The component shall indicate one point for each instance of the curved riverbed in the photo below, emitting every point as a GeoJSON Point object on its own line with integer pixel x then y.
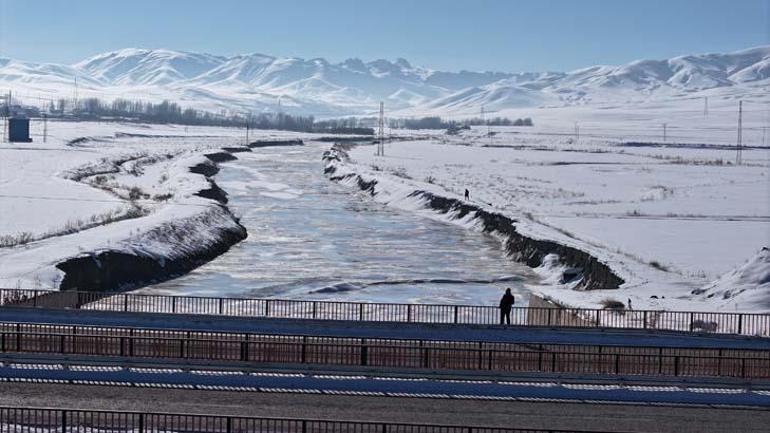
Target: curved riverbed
{"type": "Point", "coordinates": [310, 238]}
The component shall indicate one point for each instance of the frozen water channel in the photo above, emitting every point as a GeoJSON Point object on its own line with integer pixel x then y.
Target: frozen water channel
{"type": "Point", "coordinates": [310, 238]}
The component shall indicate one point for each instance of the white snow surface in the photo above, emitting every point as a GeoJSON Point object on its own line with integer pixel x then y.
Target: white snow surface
{"type": "Point", "coordinates": [58, 194]}
{"type": "Point", "coordinates": [749, 282]}
{"type": "Point", "coordinates": [666, 219]}
{"type": "Point", "coordinates": [315, 86]}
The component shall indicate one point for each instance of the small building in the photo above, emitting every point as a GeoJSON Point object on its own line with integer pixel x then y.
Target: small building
{"type": "Point", "coordinates": [18, 130]}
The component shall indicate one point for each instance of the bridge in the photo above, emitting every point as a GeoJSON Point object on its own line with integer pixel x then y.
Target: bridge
{"type": "Point", "coordinates": [443, 367]}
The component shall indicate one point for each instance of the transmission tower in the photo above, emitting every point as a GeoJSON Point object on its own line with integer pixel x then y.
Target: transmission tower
{"type": "Point", "coordinates": [739, 146]}
{"type": "Point", "coordinates": [381, 131]}
{"type": "Point", "coordinates": [6, 113]}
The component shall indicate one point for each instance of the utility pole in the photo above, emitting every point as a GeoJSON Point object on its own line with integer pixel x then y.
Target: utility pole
{"type": "Point", "coordinates": [664, 132]}
{"type": "Point", "coordinates": [381, 131]}
{"type": "Point", "coordinates": [75, 105]}
{"type": "Point", "coordinates": [6, 114]}
{"type": "Point", "coordinates": [739, 146]}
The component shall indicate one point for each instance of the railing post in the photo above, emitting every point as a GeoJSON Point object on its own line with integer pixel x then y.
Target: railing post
{"type": "Point", "coordinates": [361, 312]}
{"type": "Point", "coordinates": [315, 309]}
{"type": "Point", "coordinates": [125, 303]}
{"type": "Point", "coordinates": [456, 313]}
{"type": "Point", "coordinates": [676, 365]}
{"type": "Point", "coordinates": [740, 323]}
{"type": "Point", "coordinates": [304, 426]}
{"type": "Point", "coordinates": [481, 355]}
{"type": "Point", "coordinates": [229, 426]}
{"type": "Point", "coordinates": [141, 422]}
{"type": "Point", "coordinates": [408, 312]}
{"type": "Point", "coordinates": [61, 344]}
{"type": "Point", "coordinates": [719, 363]}
{"type": "Point", "coordinates": [173, 304]}
{"type": "Point", "coordinates": [303, 355]}
{"type": "Point", "coordinates": [64, 420]}
{"type": "Point", "coordinates": [221, 312]}
{"type": "Point", "coordinates": [597, 318]}
{"type": "Point", "coordinates": [267, 308]}
{"type": "Point", "coordinates": [364, 353]}
{"type": "Point", "coordinates": [644, 317]}
{"type": "Point", "coordinates": [244, 350]}
{"type": "Point", "coordinates": [549, 316]}
{"type": "Point", "coordinates": [540, 359]}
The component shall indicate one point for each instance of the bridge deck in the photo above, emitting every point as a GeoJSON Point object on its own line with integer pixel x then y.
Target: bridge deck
{"type": "Point", "coordinates": [487, 333]}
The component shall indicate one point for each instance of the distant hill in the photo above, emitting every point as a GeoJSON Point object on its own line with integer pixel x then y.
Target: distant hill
{"type": "Point", "coordinates": [257, 82]}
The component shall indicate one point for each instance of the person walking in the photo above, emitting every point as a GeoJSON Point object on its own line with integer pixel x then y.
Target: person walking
{"type": "Point", "coordinates": [506, 304]}
{"type": "Point", "coordinates": [467, 194]}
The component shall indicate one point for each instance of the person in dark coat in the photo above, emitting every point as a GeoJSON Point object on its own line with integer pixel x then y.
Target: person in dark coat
{"type": "Point", "coordinates": [467, 194]}
{"type": "Point", "coordinates": [506, 304]}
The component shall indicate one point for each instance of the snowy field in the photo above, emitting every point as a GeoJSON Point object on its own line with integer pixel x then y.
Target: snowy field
{"type": "Point", "coordinates": [668, 218]}
{"type": "Point", "coordinates": [679, 221]}
{"type": "Point", "coordinates": [94, 186]}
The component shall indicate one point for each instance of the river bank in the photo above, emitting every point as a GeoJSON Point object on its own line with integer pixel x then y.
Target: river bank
{"type": "Point", "coordinates": [125, 206]}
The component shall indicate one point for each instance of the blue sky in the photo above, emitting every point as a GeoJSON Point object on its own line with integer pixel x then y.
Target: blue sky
{"type": "Point", "coordinates": [450, 34]}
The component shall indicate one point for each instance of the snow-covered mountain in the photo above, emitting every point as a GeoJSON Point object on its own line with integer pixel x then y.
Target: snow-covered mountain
{"type": "Point", "coordinates": [258, 82]}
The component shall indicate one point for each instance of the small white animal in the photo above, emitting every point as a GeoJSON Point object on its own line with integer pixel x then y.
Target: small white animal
{"type": "Point", "coordinates": [703, 326]}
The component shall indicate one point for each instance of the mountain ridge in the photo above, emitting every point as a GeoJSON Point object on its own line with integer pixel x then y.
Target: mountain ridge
{"type": "Point", "coordinates": [259, 81]}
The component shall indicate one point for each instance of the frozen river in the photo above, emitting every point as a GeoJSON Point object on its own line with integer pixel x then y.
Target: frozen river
{"type": "Point", "coordinates": [310, 238]}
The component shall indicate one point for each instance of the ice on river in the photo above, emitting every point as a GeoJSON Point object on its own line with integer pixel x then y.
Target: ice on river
{"type": "Point", "coordinates": [310, 238]}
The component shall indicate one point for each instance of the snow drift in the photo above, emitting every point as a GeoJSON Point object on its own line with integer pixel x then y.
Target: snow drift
{"type": "Point", "coordinates": [749, 283]}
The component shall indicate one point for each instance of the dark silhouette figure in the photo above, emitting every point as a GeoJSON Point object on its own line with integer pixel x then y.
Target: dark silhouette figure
{"type": "Point", "coordinates": [467, 194]}
{"type": "Point", "coordinates": [506, 303]}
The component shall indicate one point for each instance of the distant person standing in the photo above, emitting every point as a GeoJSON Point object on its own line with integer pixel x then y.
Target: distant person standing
{"type": "Point", "coordinates": [506, 304]}
{"type": "Point", "coordinates": [467, 194]}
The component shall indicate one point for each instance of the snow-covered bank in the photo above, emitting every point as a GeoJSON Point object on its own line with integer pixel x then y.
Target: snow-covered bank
{"type": "Point", "coordinates": [54, 193]}
{"type": "Point", "coordinates": [575, 267]}
{"type": "Point", "coordinates": [665, 219]}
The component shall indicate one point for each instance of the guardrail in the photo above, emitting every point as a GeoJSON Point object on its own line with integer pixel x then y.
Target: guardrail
{"type": "Point", "coordinates": [382, 352]}
{"type": "Point", "coordinates": [688, 321]}
{"type": "Point", "coordinates": [45, 420]}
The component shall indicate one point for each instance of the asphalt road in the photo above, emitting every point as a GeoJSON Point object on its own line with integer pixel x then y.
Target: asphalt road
{"type": "Point", "coordinates": [598, 417]}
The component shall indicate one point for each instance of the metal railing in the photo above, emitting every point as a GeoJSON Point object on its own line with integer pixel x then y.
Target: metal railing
{"type": "Point", "coordinates": [252, 348]}
{"type": "Point", "coordinates": [688, 321]}
{"type": "Point", "coordinates": [18, 419]}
